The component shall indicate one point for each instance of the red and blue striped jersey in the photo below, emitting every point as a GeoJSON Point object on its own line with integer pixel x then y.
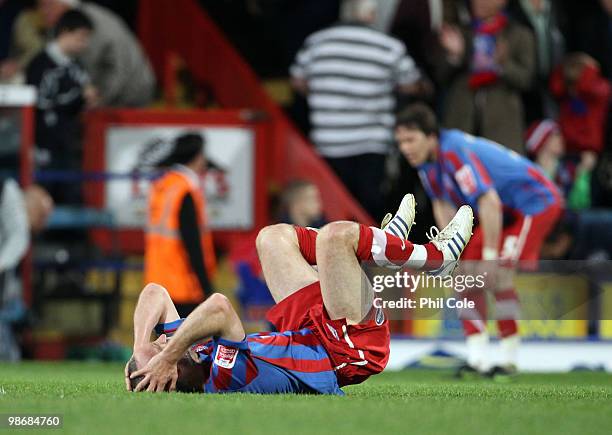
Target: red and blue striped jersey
{"type": "Point", "coordinates": [466, 167]}
{"type": "Point", "coordinates": [265, 363]}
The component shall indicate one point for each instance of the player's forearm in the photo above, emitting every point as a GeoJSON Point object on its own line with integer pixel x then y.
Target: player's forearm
{"type": "Point", "coordinates": [149, 312]}
{"type": "Point", "coordinates": [202, 323]}
{"type": "Point", "coordinates": [490, 217]}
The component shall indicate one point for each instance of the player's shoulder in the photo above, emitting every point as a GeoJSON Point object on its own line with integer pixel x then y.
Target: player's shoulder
{"type": "Point", "coordinates": [452, 139]}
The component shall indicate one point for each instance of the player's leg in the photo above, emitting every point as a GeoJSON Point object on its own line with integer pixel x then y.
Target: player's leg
{"type": "Point", "coordinates": [521, 248]}
{"type": "Point", "coordinates": [342, 245]}
{"type": "Point", "coordinates": [347, 292]}
{"type": "Point", "coordinates": [283, 252]}
{"type": "Point", "coordinates": [287, 252]}
{"type": "Point", "coordinates": [474, 320]}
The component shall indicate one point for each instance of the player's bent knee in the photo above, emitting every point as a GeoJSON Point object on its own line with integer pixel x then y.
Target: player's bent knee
{"type": "Point", "coordinates": [339, 232]}
{"type": "Point", "coordinates": [270, 236]}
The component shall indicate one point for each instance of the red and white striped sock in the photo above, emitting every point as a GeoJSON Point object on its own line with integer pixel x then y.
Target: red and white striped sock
{"type": "Point", "coordinates": [383, 248]}
{"type": "Point", "coordinates": [388, 250]}
{"type": "Point", "coordinates": [507, 310]}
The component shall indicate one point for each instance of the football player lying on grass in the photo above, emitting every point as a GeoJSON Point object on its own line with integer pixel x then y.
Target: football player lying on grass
{"type": "Point", "coordinates": [330, 333]}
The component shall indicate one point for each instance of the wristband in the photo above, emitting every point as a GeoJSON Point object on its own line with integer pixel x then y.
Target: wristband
{"type": "Point", "coordinates": [489, 254]}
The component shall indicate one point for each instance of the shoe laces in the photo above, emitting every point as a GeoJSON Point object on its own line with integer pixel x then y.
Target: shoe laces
{"type": "Point", "coordinates": [440, 238]}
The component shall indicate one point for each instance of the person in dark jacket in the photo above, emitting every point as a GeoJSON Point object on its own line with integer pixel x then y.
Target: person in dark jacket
{"type": "Point", "coordinates": [486, 66]}
{"type": "Point", "coordinates": [64, 91]}
{"type": "Point", "coordinates": [543, 18]}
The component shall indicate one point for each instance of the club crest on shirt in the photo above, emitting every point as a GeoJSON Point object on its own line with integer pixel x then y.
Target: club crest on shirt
{"type": "Point", "coordinates": [466, 180]}
{"type": "Point", "coordinates": [226, 356]}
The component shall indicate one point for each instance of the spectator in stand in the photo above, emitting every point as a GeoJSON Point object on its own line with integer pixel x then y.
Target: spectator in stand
{"type": "Point", "coordinates": [115, 61]}
{"type": "Point", "coordinates": [592, 33]}
{"type": "Point", "coordinates": [19, 215]}
{"type": "Point", "coordinates": [585, 235]}
{"type": "Point", "coordinates": [385, 12]}
{"type": "Point", "coordinates": [542, 18]}
{"type": "Point", "coordinates": [16, 24]}
{"type": "Point", "coordinates": [584, 99]}
{"type": "Point", "coordinates": [415, 23]}
{"type": "Point", "coordinates": [545, 146]}
{"type": "Point", "coordinates": [64, 90]}
{"type": "Point", "coordinates": [350, 73]}
{"type": "Point", "coordinates": [487, 66]}
{"type": "Point", "coordinates": [302, 205]}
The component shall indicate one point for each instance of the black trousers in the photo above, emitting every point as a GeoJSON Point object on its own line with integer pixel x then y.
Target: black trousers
{"type": "Point", "coordinates": [363, 176]}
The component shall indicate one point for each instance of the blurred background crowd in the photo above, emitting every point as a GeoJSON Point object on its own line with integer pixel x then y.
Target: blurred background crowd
{"type": "Point", "coordinates": [532, 75]}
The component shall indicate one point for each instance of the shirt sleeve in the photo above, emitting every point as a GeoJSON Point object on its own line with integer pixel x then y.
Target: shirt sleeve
{"type": "Point", "coordinates": [189, 230]}
{"type": "Point", "coordinates": [13, 225]}
{"type": "Point", "coordinates": [168, 328]}
{"type": "Point", "coordinates": [300, 64]}
{"type": "Point", "coordinates": [405, 70]}
{"type": "Point", "coordinates": [469, 172]}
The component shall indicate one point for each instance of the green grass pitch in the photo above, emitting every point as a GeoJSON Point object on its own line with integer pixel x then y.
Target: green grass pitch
{"type": "Point", "coordinates": [92, 399]}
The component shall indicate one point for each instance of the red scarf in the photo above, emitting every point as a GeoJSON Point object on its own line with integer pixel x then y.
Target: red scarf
{"type": "Point", "coordinates": [485, 69]}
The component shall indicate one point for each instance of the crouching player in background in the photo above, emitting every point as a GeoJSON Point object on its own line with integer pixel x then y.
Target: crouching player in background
{"type": "Point", "coordinates": [516, 206]}
{"type": "Point", "coordinates": [330, 334]}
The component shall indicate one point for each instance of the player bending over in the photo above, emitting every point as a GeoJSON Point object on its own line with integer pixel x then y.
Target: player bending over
{"type": "Point", "coordinates": [330, 334]}
{"type": "Point", "coordinates": [516, 204]}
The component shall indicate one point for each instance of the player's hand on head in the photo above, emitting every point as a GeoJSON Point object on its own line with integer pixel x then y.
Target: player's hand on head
{"type": "Point", "coordinates": [160, 374]}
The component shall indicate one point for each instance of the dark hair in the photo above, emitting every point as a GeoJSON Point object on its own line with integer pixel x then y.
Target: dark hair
{"type": "Point", "coordinates": [420, 117]}
{"type": "Point", "coordinates": [192, 375]}
{"type": "Point", "coordinates": [186, 147]}
{"type": "Point", "coordinates": [72, 20]}
{"type": "Point", "coordinates": [132, 367]}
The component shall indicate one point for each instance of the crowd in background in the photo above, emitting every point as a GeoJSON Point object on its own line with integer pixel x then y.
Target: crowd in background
{"type": "Point", "coordinates": [79, 55]}
{"type": "Point", "coordinates": [518, 72]}
{"type": "Point", "coordinates": [532, 75]}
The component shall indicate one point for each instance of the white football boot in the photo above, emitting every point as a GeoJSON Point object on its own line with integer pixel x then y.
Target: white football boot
{"type": "Point", "coordinates": [401, 224]}
{"type": "Point", "coordinates": [452, 240]}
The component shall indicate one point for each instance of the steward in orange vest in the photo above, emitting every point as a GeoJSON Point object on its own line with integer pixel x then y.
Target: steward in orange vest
{"type": "Point", "coordinates": [179, 252]}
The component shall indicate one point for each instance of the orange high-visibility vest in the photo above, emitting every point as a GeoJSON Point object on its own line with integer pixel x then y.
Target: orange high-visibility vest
{"type": "Point", "coordinates": [166, 259]}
